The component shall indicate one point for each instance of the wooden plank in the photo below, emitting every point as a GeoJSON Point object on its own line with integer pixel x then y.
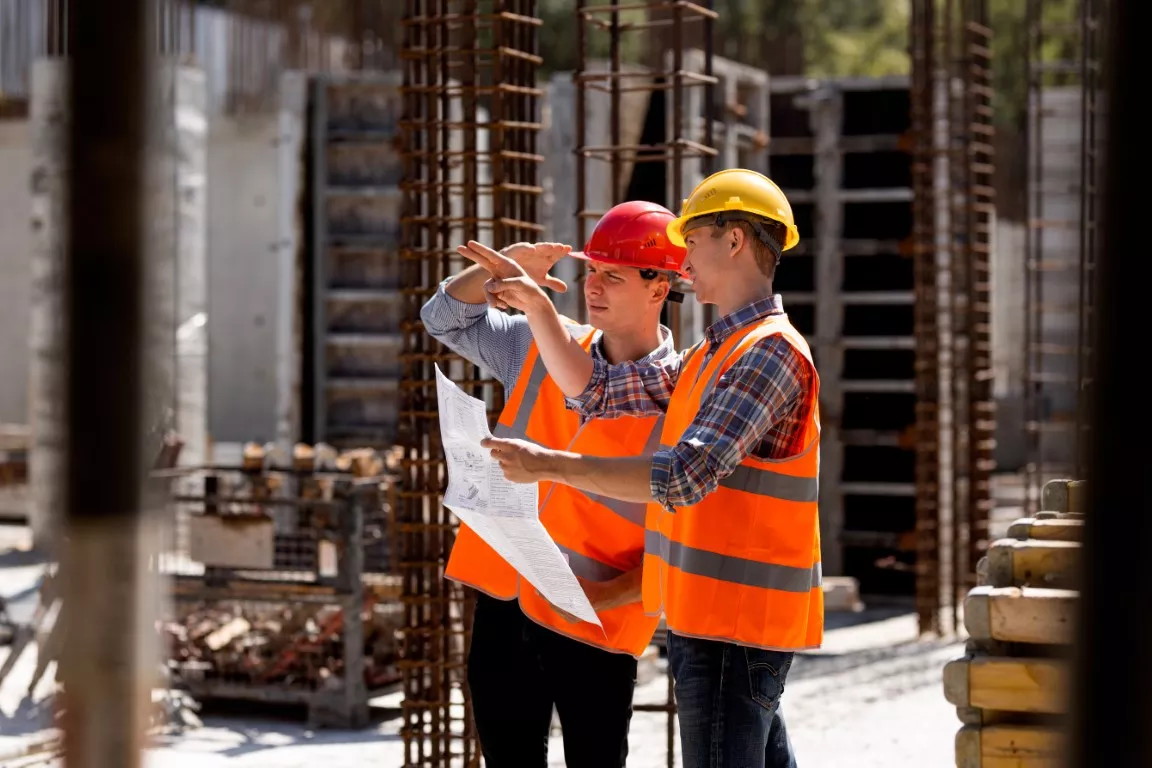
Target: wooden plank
{"type": "Point", "coordinates": [1021, 614]}
{"type": "Point", "coordinates": [1054, 497]}
{"type": "Point", "coordinates": [1052, 529]}
{"type": "Point", "coordinates": [1009, 746]}
{"type": "Point", "coordinates": [1014, 563]}
{"type": "Point", "coordinates": [1008, 684]}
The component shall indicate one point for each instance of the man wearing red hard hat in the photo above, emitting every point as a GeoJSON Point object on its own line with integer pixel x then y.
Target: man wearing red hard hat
{"type": "Point", "coordinates": [526, 657]}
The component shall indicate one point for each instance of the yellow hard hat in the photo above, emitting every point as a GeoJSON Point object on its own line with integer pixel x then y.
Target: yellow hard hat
{"type": "Point", "coordinates": [736, 190]}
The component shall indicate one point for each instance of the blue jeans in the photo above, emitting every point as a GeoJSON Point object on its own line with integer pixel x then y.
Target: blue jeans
{"type": "Point", "coordinates": [728, 700]}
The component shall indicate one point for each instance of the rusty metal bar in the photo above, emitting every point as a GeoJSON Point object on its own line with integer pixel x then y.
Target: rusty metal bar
{"type": "Point", "coordinates": [1093, 15]}
{"type": "Point", "coordinates": [977, 160]}
{"type": "Point", "coordinates": [469, 67]}
{"type": "Point", "coordinates": [922, 39]}
{"type": "Point", "coordinates": [951, 105]}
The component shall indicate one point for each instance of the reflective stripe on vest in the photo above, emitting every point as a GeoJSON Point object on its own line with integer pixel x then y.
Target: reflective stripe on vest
{"type": "Point", "coordinates": [602, 538]}
{"type": "Point", "coordinates": [735, 570]}
{"type": "Point", "coordinates": [743, 565]}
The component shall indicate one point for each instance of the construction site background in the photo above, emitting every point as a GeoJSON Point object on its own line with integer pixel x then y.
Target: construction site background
{"type": "Point", "coordinates": [318, 163]}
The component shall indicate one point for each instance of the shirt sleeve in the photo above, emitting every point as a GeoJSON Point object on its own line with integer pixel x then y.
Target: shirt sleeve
{"type": "Point", "coordinates": [749, 399]}
{"type": "Point", "coordinates": [487, 337]}
{"type": "Point", "coordinates": [629, 388]}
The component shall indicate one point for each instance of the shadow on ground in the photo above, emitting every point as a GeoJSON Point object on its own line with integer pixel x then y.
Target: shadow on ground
{"type": "Point", "coordinates": [230, 730]}
{"type": "Point", "coordinates": [29, 717]}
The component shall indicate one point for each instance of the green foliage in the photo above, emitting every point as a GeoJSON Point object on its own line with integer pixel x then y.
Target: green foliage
{"type": "Point", "coordinates": [865, 38]}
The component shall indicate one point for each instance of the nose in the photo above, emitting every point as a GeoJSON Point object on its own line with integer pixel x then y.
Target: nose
{"type": "Point", "coordinates": [592, 284]}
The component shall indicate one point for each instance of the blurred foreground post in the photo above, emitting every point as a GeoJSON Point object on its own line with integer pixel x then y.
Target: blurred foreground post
{"type": "Point", "coordinates": [106, 667]}
{"type": "Point", "coordinates": [1113, 690]}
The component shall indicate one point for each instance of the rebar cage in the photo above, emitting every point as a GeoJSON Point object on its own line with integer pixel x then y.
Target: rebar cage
{"type": "Point", "coordinates": [470, 127]}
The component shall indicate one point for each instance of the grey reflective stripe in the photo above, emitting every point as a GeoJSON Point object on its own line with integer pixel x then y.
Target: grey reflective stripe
{"type": "Point", "coordinates": [508, 432]}
{"type": "Point", "coordinates": [734, 570]}
{"type": "Point", "coordinates": [631, 511]}
{"type": "Point", "coordinates": [588, 567]}
{"type": "Point", "coordinates": [654, 436]}
{"type": "Point", "coordinates": [536, 378]}
{"type": "Point", "coordinates": [765, 482]}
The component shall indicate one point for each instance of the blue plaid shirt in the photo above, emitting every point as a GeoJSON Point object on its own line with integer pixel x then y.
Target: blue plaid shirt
{"type": "Point", "coordinates": [757, 407]}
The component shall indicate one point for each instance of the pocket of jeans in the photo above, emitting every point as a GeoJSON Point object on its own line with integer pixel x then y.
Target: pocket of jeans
{"type": "Point", "coordinates": [767, 671]}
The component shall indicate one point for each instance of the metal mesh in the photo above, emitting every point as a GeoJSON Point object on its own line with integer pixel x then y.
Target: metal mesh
{"type": "Point", "coordinates": [952, 116]}
{"type": "Point", "coordinates": [1065, 102]}
{"type": "Point", "coordinates": [471, 121]}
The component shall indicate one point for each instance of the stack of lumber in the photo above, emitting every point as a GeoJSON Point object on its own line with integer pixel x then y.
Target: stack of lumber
{"type": "Point", "coordinates": [1011, 686]}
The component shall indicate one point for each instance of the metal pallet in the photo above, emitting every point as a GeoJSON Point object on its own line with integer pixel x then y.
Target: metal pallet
{"type": "Point", "coordinates": [848, 287]}
{"type": "Point", "coordinates": [282, 591]}
{"type": "Point", "coordinates": [353, 276]}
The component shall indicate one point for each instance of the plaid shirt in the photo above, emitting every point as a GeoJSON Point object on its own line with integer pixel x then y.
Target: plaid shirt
{"type": "Point", "coordinates": [756, 408]}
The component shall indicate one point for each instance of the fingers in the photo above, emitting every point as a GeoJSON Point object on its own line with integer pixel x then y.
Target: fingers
{"type": "Point", "coordinates": [555, 284]}
{"type": "Point", "coordinates": [476, 257]}
{"type": "Point", "coordinates": [556, 251]}
{"type": "Point", "coordinates": [494, 257]}
{"type": "Point", "coordinates": [495, 444]}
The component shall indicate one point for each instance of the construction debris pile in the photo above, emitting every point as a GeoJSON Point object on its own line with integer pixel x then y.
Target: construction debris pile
{"type": "Point", "coordinates": [249, 643]}
{"type": "Point", "coordinates": [1011, 687]}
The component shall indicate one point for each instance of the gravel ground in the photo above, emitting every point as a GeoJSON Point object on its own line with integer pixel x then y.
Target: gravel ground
{"type": "Point", "coordinates": [872, 697]}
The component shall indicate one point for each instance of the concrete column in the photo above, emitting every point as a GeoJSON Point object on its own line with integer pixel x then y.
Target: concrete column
{"type": "Point", "coordinates": [290, 145]}
{"type": "Point", "coordinates": [191, 263]}
{"type": "Point", "coordinates": [46, 376]}
{"type": "Point", "coordinates": [176, 384]}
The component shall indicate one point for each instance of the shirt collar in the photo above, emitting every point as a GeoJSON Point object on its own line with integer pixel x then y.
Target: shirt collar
{"type": "Point", "coordinates": [667, 347]}
{"type": "Point", "coordinates": [743, 317]}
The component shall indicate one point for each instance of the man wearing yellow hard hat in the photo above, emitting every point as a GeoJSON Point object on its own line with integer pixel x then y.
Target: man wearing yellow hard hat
{"type": "Point", "coordinates": [732, 536]}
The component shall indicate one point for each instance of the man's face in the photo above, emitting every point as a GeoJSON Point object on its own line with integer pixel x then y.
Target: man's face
{"type": "Point", "coordinates": [616, 297]}
{"type": "Point", "coordinates": [706, 261]}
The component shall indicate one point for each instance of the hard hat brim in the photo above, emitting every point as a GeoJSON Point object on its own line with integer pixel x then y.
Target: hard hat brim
{"type": "Point", "coordinates": [676, 227]}
{"type": "Point", "coordinates": [584, 256]}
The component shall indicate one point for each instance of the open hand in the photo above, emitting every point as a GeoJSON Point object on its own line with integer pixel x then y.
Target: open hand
{"type": "Point", "coordinates": [531, 261]}
{"type": "Point", "coordinates": [536, 259]}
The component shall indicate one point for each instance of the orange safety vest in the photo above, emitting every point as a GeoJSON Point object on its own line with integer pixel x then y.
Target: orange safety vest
{"type": "Point", "coordinates": [602, 537]}
{"type": "Point", "coordinates": [743, 565]}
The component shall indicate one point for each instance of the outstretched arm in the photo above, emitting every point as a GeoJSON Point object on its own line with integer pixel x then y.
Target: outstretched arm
{"type": "Point", "coordinates": [594, 388]}
{"type": "Point", "coordinates": [752, 398]}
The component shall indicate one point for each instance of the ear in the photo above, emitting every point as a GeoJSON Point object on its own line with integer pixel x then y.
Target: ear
{"type": "Point", "coordinates": [661, 287]}
{"type": "Point", "coordinates": [734, 238]}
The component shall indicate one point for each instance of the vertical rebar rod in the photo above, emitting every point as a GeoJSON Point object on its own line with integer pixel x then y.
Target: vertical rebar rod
{"type": "Point", "coordinates": [106, 671]}
{"type": "Point", "coordinates": [978, 163]}
{"type": "Point", "coordinates": [1090, 75]}
{"type": "Point", "coordinates": [922, 40]}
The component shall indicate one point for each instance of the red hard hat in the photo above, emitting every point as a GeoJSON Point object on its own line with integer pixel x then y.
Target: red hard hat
{"type": "Point", "coordinates": [635, 234]}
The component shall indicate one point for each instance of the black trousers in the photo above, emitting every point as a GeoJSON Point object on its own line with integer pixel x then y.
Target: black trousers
{"type": "Point", "coordinates": [517, 671]}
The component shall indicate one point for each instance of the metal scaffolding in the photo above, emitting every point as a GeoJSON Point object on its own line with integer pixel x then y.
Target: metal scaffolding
{"type": "Point", "coordinates": [669, 90]}
{"type": "Point", "coordinates": [1064, 78]}
{"type": "Point", "coordinates": [952, 117]}
{"type": "Point", "coordinates": [470, 171]}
